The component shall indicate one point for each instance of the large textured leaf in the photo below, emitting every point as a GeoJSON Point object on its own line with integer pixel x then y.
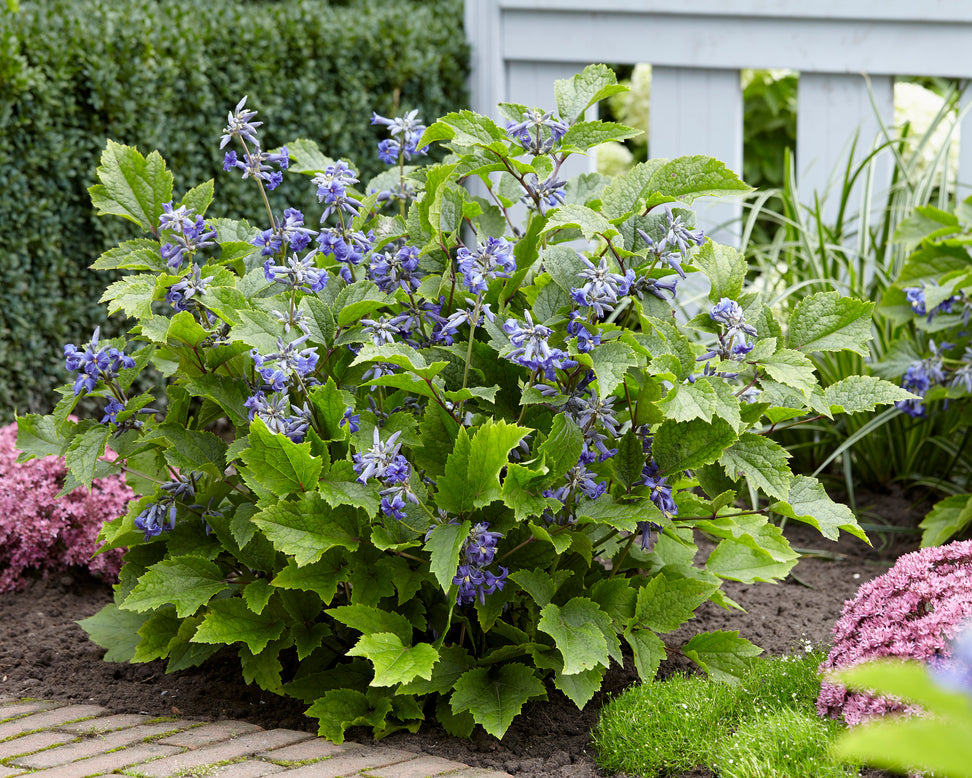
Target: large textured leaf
{"type": "Point", "coordinates": [395, 662]}
{"type": "Point", "coordinates": [576, 94]}
{"type": "Point", "coordinates": [444, 544]}
{"type": "Point", "coordinates": [664, 603]}
{"type": "Point", "coordinates": [188, 582]}
{"type": "Point", "coordinates": [116, 630]}
{"type": "Point", "coordinates": [809, 502]}
{"type": "Point", "coordinates": [84, 452]}
{"type": "Point", "coordinates": [947, 518]}
{"type": "Point", "coordinates": [862, 394]}
{"type": "Point", "coordinates": [472, 470]}
{"type": "Point", "coordinates": [762, 461]}
{"type": "Point", "coordinates": [587, 220]}
{"type": "Point", "coordinates": [707, 398]}
{"type": "Point", "coordinates": [277, 466]}
{"type": "Point", "coordinates": [828, 322]}
{"type": "Point", "coordinates": [230, 621]}
{"type": "Point", "coordinates": [131, 186]}
{"type": "Point", "coordinates": [725, 267]}
{"type": "Point", "coordinates": [724, 655]}
{"type": "Point", "coordinates": [687, 445]}
{"type": "Point", "coordinates": [611, 361]}
{"type": "Point", "coordinates": [495, 698]}
{"type": "Point", "coordinates": [648, 650]}
{"type": "Point", "coordinates": [340, 709]}
{"type": "Point", "coordinates": [367, 619]}
{"type": "Point", "coordinates": [307, 528]}
{"type": "Point", "coordinates": [577, 633]}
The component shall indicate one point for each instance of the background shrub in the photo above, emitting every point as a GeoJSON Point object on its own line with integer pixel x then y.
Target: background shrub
{"type": "Point", "coordinates": [40, 531]}
{"type": "Point", "coordinates": [159, 74]}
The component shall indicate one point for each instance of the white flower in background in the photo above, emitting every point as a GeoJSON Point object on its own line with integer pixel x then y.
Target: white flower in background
{"type": "Point", "coordinates": [633, 107]}
{"type": "Point", "coordinates": [917, 106]}
{"type": "Point", "coordinates": [613, 158]}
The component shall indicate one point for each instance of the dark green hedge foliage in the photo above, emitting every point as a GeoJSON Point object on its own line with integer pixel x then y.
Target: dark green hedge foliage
{"type": "Point", "coordinates": [162, 75]}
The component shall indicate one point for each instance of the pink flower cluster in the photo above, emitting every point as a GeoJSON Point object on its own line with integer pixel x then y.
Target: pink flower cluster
{"type": "Point", "coordinates": [40, 532]}
{"type": "Point", "coordinates": [910, 612]}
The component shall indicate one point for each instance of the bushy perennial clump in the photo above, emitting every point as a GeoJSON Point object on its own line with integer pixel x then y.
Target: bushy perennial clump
{"type": "Point", "coordinates": [44, 531]}
{"type": "Point", "coordinates": [910, 612]}
{"type": "Point", "coordinates": [931, 303]}
{"type": "Point", "coordinates": [464, 445]}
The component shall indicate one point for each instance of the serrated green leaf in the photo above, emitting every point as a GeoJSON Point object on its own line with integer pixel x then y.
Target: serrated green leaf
{"type": "Point", "coordinates": [762, 461]}
{"type": "Point", "coordinates": [340, 709]}
{"type": "Point", "coordinates": [679, 446]}
{"type": "Point", "coordinates": [725, 267]}
{"type": "Point", "coordinates": [257, 594]}
{"type": "Point", "coordinates": [862, 394]}
{"type": "Point", "coordinates": [563, 446]}
{"type": "Point", "coordinates": [471, 478]}
{"type": "Point", "coordinates": [188, 582]}
{"type": "Point", "coordinates": [664, 603]}
{"type": "Point", "coordinates": [395, 662]}
{"type": "Point", "coordinates": [576, 94]}
{"type": "Point", "coordinates": [707, 398]}
{"type": "Point", "coordinates": [230, 621]}
{"type": "Point", "coordinates": [946, 519]}
{"type": "Point", "coordinates": [276, 465]}
{"type": "Point", "coordinates": [116, 630]}
{"type": "Point", "coordinates": [585, 135]}
{"type": "Point", "coordinates": [809, 502]}
{"type": "Point", "coordinates": [576, 630]}
{"type": "Point", "coordinates": [156, 634]}
{"type": "Point", "coordinates": [747, 561]}
{"type": "Point", "coordinates": [648, 651]}
{"type": "Point", "coordinates": [444, 544]}
{"type": "Point", "coordinates": [132, 255]}
{"type": "Point", "coordinates": [790, 368]}
{"type": "Point", "coordinates": [541, 585]}
{"type": "Point", "coordinates": [580, 687]}
{"type": "Point", "coordinates": [358, 300]}
{"type": "Point", "coordinates": [724, 655]}
{"type": "Point", "coordinates": [131, 186]}
{"type": "Point", "coordinates": [828, 322]}
{"type": "Point", "coordinates": [321, 577]}
{"type": "Point", "coordinates": [308, 528]}
{"type": "Point", "coordinates": [192, 449]}
{"type": "Point", "coordinates": [368, 619]}
{"type": "Point", "coordinates": [306, 157]}
{"type": "Point", "coordinates": [464, 128]}
{"type": "Point", "coordinates": [83, 453]}
{"type": "Point", "coordinates": [587, 220]}
{"type": "Point", "coordinates": [453, 661]}
{"type": "Point", "coordinates": [610, 362]}
{"type": "Point", "coordinates": [494, 696]}
{"type": "Point", "coordinates": [39, 436]}
{"type": "Point", "coordinates": [132, 295]}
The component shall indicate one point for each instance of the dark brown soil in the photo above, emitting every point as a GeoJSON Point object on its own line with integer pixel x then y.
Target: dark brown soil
{"type": "Point", "coordinates": [44, 654]}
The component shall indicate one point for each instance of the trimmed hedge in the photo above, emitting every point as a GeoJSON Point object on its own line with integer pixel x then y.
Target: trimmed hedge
{"type": "Point", "coordinates": [162, 75]}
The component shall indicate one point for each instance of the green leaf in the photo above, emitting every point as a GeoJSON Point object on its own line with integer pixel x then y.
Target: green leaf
{"type": "Point", "coordinates": [257, 594]}
{"type": "Point", "coordinates": [340, 709]}
{"type": "Point", "coordinates": [84, 451]}
{"type": "Point", "coordinates": [828, 322]}
{"type": "Point", "coordinates": [358, 300]}
{"type": "Point", "coordinates": [39, 436]}
{"type": "Point", "coordinates": [306, 157]}
{"type": "Point", "coordinates": [368, 619]}
{"type": "Point", "coordinates": [157, 633]}
{"type": "Point", "coordinates": [687, 445]}
{"type": "Point", "coordinates": [791, 368]}
{"type": "Point", "coordinates": [946, 519]}
{"type": "Point", "coordinates": [585, 135]}
{"type": "Point", "coordinates": [745, 560]}
{"type": "Point", "coordinates": [321, 577]}
{"type": "Point", "coordinates": [132, 295]}
{"type": "Point", "coordinates": [132, 255]}
{"type": "Point", "coordinates": [686, 178]}
{"type": "Point", "coordinates": [580, 687]}
{"type": "Point", "coordinates": [587, 220]}
{"type": "Point", "coordinates": [471, 478]}
{"type": "Point", "coordinates": [188, 582]}
{"type": "Point", "coordinates": [629, 463]}
{"type": "Point", "coordinates": [495, 698]}
{"type": "Point", "coordinates": [762, 461]}
{"type": "Point", "coordinates": [131, 185]}
{"type": "Point", "coordinates": [540, 584]}
{"type": "Point", "coordinates": [725, 267]}
{"type": "Point", "coordinates": [563, 263]}
{"type": "Point", "coordinates": [576, 630]}
{"type": "Point", "coordinates": [277, 466]}
{"type": "Point", "coordinates": [229, 621]}
{"type": "Point", "coordinates": [116, 630]}
{"type": "Point", "coordinates": [464, 128]}
{"type": "Point", "coordinates": [306, 529]}
{"type": "Point", "coordinates": [394, 661]}
{"type": "Point", "coordinates": [707, 398]}
{"type": "Point", "coordinates": [576, 94]}
{"type": "Point", "coordinates": [723, 655]}
{"type": "Point", "coordinates": [444, 544]}
{"type": "Point", "coordinates": [862, 394]}
{"type": "Point", "coordinates": [664, 603]}
{"type": "Point", "coordinates": [562, 448]}
{"type": "Point", "coordinates": [453, 661]}
{"type": "Point", "coordinates": [610, 362]}
{"type": "Point", "coordinates": [809, 502]}
{"type": "Point", "coordinates": [648, 650]}
{"type": "Point", "coordinates": [192, 449]}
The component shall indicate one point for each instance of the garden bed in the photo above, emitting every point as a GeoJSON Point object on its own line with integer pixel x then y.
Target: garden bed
{"type": "Point", "coordinates": [44, 654]}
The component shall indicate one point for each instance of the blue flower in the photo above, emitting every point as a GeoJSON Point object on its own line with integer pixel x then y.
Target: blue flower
{"type": "Point", "coordinates": [494, 260]}
{"type": "Point", "coordinates": [112, 409]}
{"type": "Point", "coordinates": [537, 132]}
{"type": "Point", "coordinates": [398, 270]}
{"type": "Point", "coordinates": [531, 348]}
{"type": "Point", "coordinates": [472, 578]}
{"type": "Point", "coordinates": [352, 419]}
{"type": "Point", "coordinates": [239, 124]}
{"type": "Point", "coordinates": [156, 517]}
{"type": "Point", "coordinates": [658, 490]}
{"type": "Point", "coordinates": [179, 294]}
{"type": "Point", "coordinates": [406, 132]}
{"type": "Point", "coordinates": [299, 273]}
{"type": "Point", "coordinates": [601, 286]}
{"type": "Point", "coordinates": [377, 460]}
{"type": "Point", "coordinates": [541, 195]}
{"type": "Point", "coordinates": [94, 363]}
{"type": "Point", "coordinates": [332, 186]}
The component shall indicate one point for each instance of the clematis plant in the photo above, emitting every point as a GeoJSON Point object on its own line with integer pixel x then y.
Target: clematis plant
{"type": "Point", "coordinates": [431, 453]}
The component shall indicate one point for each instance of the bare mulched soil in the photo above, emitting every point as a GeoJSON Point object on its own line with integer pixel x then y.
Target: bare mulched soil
{"type": "Point", "coordinates": [44, 654]}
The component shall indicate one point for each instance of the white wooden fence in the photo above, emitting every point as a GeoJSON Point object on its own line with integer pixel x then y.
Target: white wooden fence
{"type": "Point", "coordinates": [846, 51]}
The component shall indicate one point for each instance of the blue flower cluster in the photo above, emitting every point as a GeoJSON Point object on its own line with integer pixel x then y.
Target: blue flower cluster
{"type": "Point", "coordinates": [395, 270]}
{"type": "Point", "coordinates": [601, 287]}
{"type": "Point", "coordinates": [489, 261]}
{"type": "Point", "coordinates": [537, 132]}
{"type": "Point", "coordinates": [94, 364]}
{"type": "Point", "coordinates": [290, 234]}
{"type": "Point", "coordinates": [916, 297]}
{"type": "Point", "coordinates": [161, 515]}
{"type": "Point", "coordinates": [255, 163]}
{"type": "Point", "coordinates": [472, 577]}
{"type": "Point", "coordinates": [732, 339]}
{"type": "Point", "coordinates": [405, 131]}
{"type": "Point", "coordinates": [923, 375]}
{"type": "Point", "coordinates": [181, 294]}
{"type": "Point", "coordinates": [186, 231]}
{"type": "Point", "coordinates": [279, 370]}
{"type": "Point", "coordinates": [384, 463]}
{"type": "Point", "coordinates": [531, 349]}
{"type": "Point", "coordinates": [673, 249]}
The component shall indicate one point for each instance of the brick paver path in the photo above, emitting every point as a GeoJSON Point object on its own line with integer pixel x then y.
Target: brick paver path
{"type": "Point", "coordinates": [58, 740]}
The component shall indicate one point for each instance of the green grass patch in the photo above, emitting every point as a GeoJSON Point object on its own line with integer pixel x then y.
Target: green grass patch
{"type": "Point", "coordinates": [763, 727]}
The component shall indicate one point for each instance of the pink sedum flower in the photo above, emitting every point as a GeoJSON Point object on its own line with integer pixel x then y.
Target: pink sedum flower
{"type": "Point", "coordinates": [38, 531]}
{"type": "Point", "coordinates": [910, 612]}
